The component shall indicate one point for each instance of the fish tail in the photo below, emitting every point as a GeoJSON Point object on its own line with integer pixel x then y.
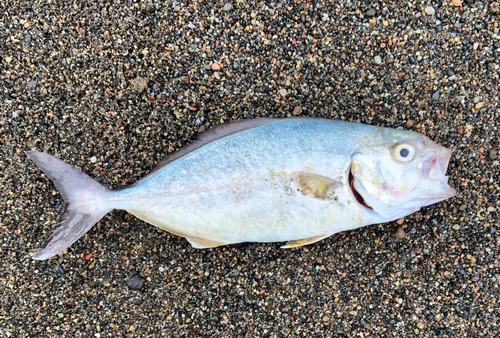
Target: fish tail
{"type": "Point", "coordinates": [86, 203]}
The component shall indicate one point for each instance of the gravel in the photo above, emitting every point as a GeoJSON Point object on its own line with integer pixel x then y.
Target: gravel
{"type": "Point", "coordinates": [114, 87]}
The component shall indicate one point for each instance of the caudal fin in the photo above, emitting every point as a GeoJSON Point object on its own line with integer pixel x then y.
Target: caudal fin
{"type": "Point", "coordinates": [85, 203]}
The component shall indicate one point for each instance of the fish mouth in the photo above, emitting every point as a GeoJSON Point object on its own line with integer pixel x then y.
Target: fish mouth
{"type": "Point", "coordinates": [354, 192]}
{"type": "Point", "coordinates": [434, 169]}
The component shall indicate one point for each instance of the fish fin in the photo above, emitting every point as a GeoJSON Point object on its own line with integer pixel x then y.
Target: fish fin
{"type": "Point", "coordinates": [202, 243]}
{"type": "Point", "coordinates": [80, 212]}
{"type": "Point", "coordinates": [215, 133]}
{"type": "Point", "coordinates": [305, 241]}
{"type": "Point", "coordinates": [314, 186]}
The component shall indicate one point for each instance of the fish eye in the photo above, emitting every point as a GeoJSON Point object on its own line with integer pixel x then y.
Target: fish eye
{"type": "Point", "coordinates": [404, 152]}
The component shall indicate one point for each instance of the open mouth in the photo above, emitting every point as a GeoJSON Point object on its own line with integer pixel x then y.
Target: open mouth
{"type": "Point", "coordinates": [356, 194]}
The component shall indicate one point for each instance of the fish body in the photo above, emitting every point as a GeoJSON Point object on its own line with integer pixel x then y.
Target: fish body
{"type": "Point", "coordinates": [265, 180]}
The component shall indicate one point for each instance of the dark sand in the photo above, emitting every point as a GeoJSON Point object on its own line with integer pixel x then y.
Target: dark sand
{"type": "Point", "coordinates": [113, 88]}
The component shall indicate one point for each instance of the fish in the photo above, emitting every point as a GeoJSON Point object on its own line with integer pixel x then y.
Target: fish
{"type": "Point", "coordinates": [294, 180]}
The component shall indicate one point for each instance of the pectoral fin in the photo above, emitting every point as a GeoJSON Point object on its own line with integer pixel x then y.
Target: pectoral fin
{"type": "Point", "coordinates": [202, 243]}
{"type": "Point", "coordinates": [305, 241]}
{"type": "Point", "coordinates": [314, 186]}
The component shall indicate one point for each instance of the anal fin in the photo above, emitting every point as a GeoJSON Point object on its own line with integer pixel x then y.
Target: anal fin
{"type": "Point", "coordinates": [202, 243]}
{"type": "Point", "coordinates": [305, 241]}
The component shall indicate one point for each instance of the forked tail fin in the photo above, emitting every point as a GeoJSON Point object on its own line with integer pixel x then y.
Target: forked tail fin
{"type": "Point", "coordinates": [85, 204]}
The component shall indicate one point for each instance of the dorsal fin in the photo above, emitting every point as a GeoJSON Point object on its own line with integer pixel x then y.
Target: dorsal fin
{"type": "Point", "coordinates": [214, 134]}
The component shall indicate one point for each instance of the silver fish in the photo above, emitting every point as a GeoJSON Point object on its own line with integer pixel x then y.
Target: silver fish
{"type": "Point", "coordinates": [264, 180]}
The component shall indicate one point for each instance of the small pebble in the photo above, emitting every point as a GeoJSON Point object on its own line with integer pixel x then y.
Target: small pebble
{"type": "Point", "coordinates": [409, 124]}
{"type": "Point", "coordinates": [32, 85]}
{"type": "Point", "coordinates": [430, 10]}
{"type": "Point", "coordinates": [436, 94]}
{"type": "Point", "coordinates": [215, 66]}
{"type": "Point", "coordinates": [228, 7]}
{"type": "Point", "coordinates": [135, 283]}
{"type": "Point", "coordinates": [456, 227]}
{"type": "Point", "coordinates": [398, 233]}
{"type": "Point", "coordinates": [377, 59]}
{"type": "Point", "coordinates": [371, 12]}
{"type": "Point", "coordinates": [59, 270]}
{"type": "Point", "coordinates": [139, 84]}
{"type": "Point", "coordinates": [297, 110]}
{"type": "Point", "coordinates": [283, 92]}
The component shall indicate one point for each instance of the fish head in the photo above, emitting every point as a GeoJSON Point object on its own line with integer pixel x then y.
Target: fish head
{"type": "Point", "coordinates": [398, 172]}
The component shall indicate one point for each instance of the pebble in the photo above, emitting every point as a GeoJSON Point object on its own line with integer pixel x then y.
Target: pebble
{"type": "Point", "coordinates": [215, 66]}
{"type": "Point", "coordinates": [430, 10]}
{"type": "Point", "coordinates": [135, 283]}
{"type": "Point", "coordinates": [377, 59]}
{"type": "Point", "coordinates": [371, 12]}
{"type": "Point", "coordinates": [139, 84]}
{"type": "Point", "coordinates": [31, 85]}
{"type": "Point", "coordinates": [228, 7]}
{"type": "Point", "coordinates": [297, 111]}
{"type": "Point", "coordinates": [59, 270]}
{"type": "Point", "coordinates": [479, 105]}
{"type": "Point", "coordinates": [283, 92]}
{"type": "Point", "coordinates": [398, 233]}
{"type": "Point", "coordinates": [436, 94]}
{"type": "Point", "coordinates": [456, 227]}
{"type": "Point", "coordinates": [409, 124]}
{"type": "Point", "coordinates": [93, 159]}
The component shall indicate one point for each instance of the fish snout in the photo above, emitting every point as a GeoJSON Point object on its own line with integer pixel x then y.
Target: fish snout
{"type": "Point", "coordinates": [434, 168]}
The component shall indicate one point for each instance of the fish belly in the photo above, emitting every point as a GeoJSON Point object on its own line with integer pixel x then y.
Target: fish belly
{"type": "Point", "coordinates": [267, 211]}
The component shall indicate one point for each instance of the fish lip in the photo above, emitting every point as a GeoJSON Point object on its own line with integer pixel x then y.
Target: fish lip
{"type": "Point", "coordinates": [355, 193]}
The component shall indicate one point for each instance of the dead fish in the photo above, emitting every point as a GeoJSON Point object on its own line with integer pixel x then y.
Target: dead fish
{"type": "Point", "coordinates": [264, 180]}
